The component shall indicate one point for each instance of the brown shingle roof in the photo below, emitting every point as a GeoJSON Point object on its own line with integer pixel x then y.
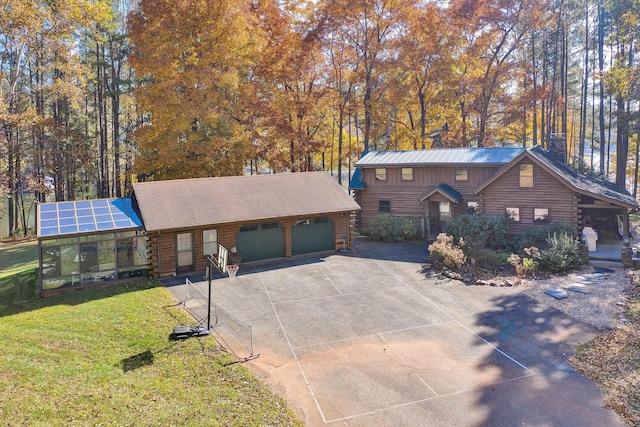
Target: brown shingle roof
{"type": "Point", "coordinates": [205, 201]}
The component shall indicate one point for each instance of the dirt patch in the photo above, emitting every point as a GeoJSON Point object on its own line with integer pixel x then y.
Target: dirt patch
{"type": "Point", "coordinates": [600, 301]}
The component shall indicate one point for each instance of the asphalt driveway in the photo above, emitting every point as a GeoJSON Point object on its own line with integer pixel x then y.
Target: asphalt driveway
{"type": "Point", "coordinates": [373, 338]}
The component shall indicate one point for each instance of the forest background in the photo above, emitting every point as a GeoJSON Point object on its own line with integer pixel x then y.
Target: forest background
{"type": "Point", "coordinates": [95, 95]}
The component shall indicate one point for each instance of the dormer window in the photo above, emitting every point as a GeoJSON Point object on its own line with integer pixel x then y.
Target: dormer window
{"type": "Point", "coordinates": [381, 174]}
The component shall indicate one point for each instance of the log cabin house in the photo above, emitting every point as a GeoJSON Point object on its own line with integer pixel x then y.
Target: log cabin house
{"type": "Point", "coordinates": [533, 186]}
{"type": "Point", "coordinates": [171, 227]}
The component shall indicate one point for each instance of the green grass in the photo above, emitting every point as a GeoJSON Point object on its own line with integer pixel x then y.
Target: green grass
{"type": "Point", "coordinates": [18, 274]}
{"type": "Point", "coordinates": [103, 356]}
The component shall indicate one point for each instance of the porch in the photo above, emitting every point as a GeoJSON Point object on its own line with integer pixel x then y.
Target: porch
{"type": "Point", "coordinates": [610, 250]}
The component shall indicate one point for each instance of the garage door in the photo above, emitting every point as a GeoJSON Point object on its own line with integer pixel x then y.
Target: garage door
{"type": "Point", "coordinates": [260, 241]}
{"type": "Point", "coordinates": [311, 235]}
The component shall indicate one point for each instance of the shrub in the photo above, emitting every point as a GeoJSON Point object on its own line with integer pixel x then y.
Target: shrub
{"type": "Point", "coordinates": [385, 228]}
{"type": "Point", "coordinates": [479, 231]}
{"type": "Point", "coordinates": [561, 253]}
{"type": "Point", "coordinates": [537, 236]}
{"type": "Point", "coordinates": [445, 253]}
{"type": "Point", "coordinates": [516, 261]}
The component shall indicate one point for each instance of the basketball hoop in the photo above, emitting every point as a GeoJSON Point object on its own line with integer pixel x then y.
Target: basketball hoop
{"type": "Point", "coordinates": [232, 270]}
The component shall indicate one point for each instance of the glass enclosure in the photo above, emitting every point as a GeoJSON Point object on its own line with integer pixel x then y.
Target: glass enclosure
{"type": "Point", "coordinates": [92, 259]}
{"type": "Point", "coordinates": [90, 242]}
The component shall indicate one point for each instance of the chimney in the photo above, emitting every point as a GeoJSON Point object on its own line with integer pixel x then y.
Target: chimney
{"type": "Point", "coordinates": [557, 144]}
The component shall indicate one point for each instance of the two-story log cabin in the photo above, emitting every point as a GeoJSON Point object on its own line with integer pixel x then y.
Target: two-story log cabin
{"type": "Point", "coordinates": [533, 186]}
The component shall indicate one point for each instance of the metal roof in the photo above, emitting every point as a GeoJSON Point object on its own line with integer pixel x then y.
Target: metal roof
{"type": "Point", "coordinates": [85, 216]}
{"type": "Point", "coordinates": [207, 201]}
{"type": "Point", "coordinates": [441, 156]}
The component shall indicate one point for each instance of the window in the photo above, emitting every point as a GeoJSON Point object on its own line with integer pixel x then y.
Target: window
{"type": "Point", "coordinates": [384, 206]}
{"type": "Point", "coordinates": [407, 174]}
{"type": "Point", "coordinates": [462, 174]}
{"type": "Point", "coordinates": [209, 242]}
{"type": "Point", "coordinates": [541, 216]}
{"type": "Point", "coordinates": [526, 176]}
{"type": "Point", "coordinates": [444, 208]}
{"type": "Point", "coordinates": [381, 174]}
{"type": "Point", "coordinates": [472, 207]}
{"type": "Point", "coordinates": [513, 213]}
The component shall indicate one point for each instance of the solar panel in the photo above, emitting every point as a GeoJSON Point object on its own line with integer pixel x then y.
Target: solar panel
{"type": "Point", "coordinates": [85, 216]}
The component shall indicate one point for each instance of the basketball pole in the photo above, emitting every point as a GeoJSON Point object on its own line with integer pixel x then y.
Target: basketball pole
{"type": "Point", "coordinates": [209, 274]}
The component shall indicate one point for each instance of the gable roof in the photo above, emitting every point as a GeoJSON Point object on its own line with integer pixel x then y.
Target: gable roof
{"type": "Point", "coordinates": [440, 157]}
{"type": "Point", "coordinates": [206, 201]}
{"type": "Point", "coordinates": [446, 190]}
{"type": "Point", "coordinates": [578, 182]}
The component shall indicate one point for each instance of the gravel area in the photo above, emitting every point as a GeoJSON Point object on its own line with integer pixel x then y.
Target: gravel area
{"type": "Point", "coordinates": [601, 307]}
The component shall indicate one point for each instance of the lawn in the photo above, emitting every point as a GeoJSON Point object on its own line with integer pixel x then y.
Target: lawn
{"type": "Point", "coordinates": [103, 356]}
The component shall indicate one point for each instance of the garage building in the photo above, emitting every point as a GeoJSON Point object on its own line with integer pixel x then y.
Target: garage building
{"type": "Point", "coordinates": [260, 216]}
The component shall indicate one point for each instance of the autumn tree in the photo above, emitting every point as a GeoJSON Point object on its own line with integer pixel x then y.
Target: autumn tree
{"type": "Point", "coordinates": [423, 76]}
{"type": "Point", "coordinates": [195, 57]}
{"type": "Point", "coordinates": [492, 33]}
{"type": "Point", "coordinates": [42, 78]}
{"type": "Point", "coordinates": [370, 26]}
{"type": "Point", "coordinates": [290, 90]}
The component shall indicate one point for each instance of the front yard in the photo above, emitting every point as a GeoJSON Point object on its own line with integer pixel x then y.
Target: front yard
{"type": "Point", "coordinates": [103, 356]}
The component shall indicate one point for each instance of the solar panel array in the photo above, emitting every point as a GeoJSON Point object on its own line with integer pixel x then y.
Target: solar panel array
{"type": "Point", "coordinates": [84, 216]}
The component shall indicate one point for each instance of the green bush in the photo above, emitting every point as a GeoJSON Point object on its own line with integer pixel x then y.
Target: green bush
{"type": "Point", "coordinates": [537, 236]}
{"type": "Point", "coordinates": [445, 253]}
{"type": "Point", "coordinates": [386, 228]}
{"type": "Point", "coordinates": [561, 253]}
{"type": "Point", "coordinates": [479, 231]}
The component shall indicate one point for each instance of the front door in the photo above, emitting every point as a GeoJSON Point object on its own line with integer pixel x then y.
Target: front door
{"type": "Point", "coordinates": [184, 252]}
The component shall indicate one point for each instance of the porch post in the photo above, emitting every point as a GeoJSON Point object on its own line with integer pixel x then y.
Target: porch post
{"type": "Point", "coordinates": [426, 211]}
{"type": "Point", "coordinates": [626, 236]}
{"type": "Point", "coordinates": [627, 251]}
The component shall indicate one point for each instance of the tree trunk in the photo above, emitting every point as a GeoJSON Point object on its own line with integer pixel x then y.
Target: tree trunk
{"type": "Point", "coordinates": [600, 69]}
{"type": "Point", "coordinates": [585, 82]}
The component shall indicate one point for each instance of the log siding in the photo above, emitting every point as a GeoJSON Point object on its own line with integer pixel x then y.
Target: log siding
{"type": "Point", "coordinates": [405, 196]}
{"type": "Point", "coordinates": [162, 249]}
{"type": "Point", "coordinates": [547, 193]}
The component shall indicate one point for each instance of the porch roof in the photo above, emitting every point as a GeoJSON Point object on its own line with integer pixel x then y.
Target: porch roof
{"type": "Point", "coordinates": [446, 190]}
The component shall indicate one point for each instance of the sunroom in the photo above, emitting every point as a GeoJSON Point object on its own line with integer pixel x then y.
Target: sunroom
{"type": "Point", "coordinates": [89, 242]}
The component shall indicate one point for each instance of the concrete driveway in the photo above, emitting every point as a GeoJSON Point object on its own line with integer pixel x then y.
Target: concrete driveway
{"type": "Point", "coordinates": [371, 338]}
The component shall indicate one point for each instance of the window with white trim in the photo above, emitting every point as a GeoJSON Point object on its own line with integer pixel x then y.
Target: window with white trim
{"type": "Point", "coordinates": [210, 242]}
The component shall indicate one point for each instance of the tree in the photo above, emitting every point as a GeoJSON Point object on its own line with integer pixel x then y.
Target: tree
{"type": "Point", "coordinates": [492, 33]}
{"type": "Point", "coordinates": [42, 79]}
{"type": "Point", "coordinates": [195, 57]}
{"type": "Point", "coordinates": [290, 89]}
{"type": "Point", "coordinates": [424, 71]}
